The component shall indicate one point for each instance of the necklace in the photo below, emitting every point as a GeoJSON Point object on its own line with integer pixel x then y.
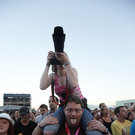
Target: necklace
{"type": "Point", "coordinates": [68, 131]}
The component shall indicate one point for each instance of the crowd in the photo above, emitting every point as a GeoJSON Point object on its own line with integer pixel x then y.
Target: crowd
{"type": "Point", "coordinates": [69, 114]}
{"type": "Point", "coordinates": [118, 121]}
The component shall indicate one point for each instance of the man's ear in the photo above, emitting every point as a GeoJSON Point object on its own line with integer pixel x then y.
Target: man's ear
{"type": "Point", "coordinates": [82, 110]}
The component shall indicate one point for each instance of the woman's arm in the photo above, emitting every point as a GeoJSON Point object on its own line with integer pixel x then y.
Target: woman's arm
{"type": "Point", "coordinates": [46, 79]}
{"type": "Point", "coordinates": [70, 71]}
{"type": "Point", "coordinates": [72, 75]}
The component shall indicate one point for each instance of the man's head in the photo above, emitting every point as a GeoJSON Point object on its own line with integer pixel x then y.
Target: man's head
{"type": "Point", "coordinates": [73, 110]}
{"type": "Point", "coordinates": [24, 113]}
{"type": "Point", "coordinates": [43, 109]}
{"type": "Point", "coordinates": [96, 110]}
{"type": "Point", "coordinates": [52, 104]}
{"type": "Point", "coordinates": [121, 112]}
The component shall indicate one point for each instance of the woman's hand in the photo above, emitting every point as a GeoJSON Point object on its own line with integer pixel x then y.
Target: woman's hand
{"type": "Point", "coordinates": [50, 56]}
{"type": "Point", "coordinates": [62, 57]}
{"type": "Point", "coordinates": [48, 120]}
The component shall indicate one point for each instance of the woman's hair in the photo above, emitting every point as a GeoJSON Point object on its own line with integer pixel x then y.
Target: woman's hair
{"type": "Point", "coordinates": [102, 109]}
{"type": "Point", "coordinates": [54, 68]}
{"type": "Point", "coordinates": [11, 129]}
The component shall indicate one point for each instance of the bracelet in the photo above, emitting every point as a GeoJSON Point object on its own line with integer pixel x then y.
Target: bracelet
{"type": "Point", "coordinates": [40, 126]}
{"type": "Point", "coordinates": [66, 63]}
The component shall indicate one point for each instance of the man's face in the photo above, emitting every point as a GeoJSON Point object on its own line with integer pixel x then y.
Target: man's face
{"type": "Point", "coordinates": [43, 111]}
{"type": "Point", "coordinates": [73, 113]}
{"type": "Point", "coordinates": [52, 105]}
{"type": "Point", "coordinates": [96, 111]}
{"type": "Point", "coordinates": [123, 112]}
{"type": "Point", "coordinates": [24, 117]}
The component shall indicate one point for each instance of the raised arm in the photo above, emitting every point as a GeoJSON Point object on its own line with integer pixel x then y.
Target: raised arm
{"type": "Point", "coordinates": [46, 79]}
{"type": "Point", "coordinates": [70, 71]}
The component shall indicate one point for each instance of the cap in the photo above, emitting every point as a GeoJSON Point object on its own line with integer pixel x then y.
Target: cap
{"type": "Point", "coordinates": [23, 111]}
{"type": "Point", "coordinates": [6, 116]}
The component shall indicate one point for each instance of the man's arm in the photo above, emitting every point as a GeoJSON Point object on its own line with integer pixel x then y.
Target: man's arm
{"type": "Point", "coordinates": [96, 125]}
{"type": "Point", "coordinates": [46, 121]}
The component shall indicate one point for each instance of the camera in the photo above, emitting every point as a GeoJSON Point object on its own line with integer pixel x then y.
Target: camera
{"type": "Point", "coordinates": [58, 39]}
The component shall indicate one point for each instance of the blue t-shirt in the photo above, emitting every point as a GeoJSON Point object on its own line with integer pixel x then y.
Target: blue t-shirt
{"type": "Point", "coordinates": [132, 128]}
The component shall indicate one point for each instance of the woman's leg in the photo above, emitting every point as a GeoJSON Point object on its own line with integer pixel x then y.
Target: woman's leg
{"type": "Point", "coordinates": [59, 114]}
{"type": "Point", "coordinates": [86, 117]}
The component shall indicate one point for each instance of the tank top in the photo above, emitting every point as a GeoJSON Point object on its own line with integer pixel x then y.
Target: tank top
{"type": "Point", "coordinates": [59, 90]}
{"type": "Point", "coordinates": [108, 124]}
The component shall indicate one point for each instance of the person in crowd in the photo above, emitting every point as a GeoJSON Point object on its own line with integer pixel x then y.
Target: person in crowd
{"type": "Point", "coordinates": [130, 117]}
{"type": "Point", "coordinates": [32, 116]}
{"type": "Point", "coordinates": [121, 126]}
{"type": "Point", "coordinates": [6, 124]}
{"type": "Point", "coordinates": [64, 77]}
{"type": "Point", "coordinates": [25, 126]}
{"type": "Point", "coordinates": [43, 110]}
{"type": "Point", "coordinates": [53, 108]}
{"type": "Point", "coordinates": [131, 109]}
{"type": "Point", "coordinates": [73, 110]}
{"type": "Point", "coordinates": [52, 105]}
{"type": "Point", "coordinates": [16, 115]}
{"type": "Point", "coordinates": [12, 117]}
{"type": "Point", "coordinates": [106, 119]}
{"type": "Point", "coordinates": [99, 114]}
{"type": "Point", "coordinates": [112, 114]}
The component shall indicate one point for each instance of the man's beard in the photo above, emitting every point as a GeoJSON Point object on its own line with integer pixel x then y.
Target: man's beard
{"type": "Point", "coordinates": [52, 109]}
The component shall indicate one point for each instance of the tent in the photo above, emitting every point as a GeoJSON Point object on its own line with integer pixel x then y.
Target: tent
{"type": "Point", "coordinates": [10, 108]}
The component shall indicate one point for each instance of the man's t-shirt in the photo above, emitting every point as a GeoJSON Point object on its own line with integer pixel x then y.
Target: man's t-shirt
{"type": "Point", "coordinates": [25, 130]}
{"type": "Point", "coordinates": [117, 127]}
{"type": "Point", "coordinates": [62, 130]}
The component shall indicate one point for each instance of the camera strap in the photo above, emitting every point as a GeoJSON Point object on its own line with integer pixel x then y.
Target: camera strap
{"type": "Point", "coordinates": [52, 90]}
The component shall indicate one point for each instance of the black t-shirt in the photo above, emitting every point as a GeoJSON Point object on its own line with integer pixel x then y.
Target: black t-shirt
{"type": "Point", "coordinates": [73, 129]}
{"type": "Point", "coordinates": [24, 129]}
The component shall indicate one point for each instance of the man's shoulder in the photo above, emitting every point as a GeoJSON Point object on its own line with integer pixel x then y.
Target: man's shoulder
{"type": "Point", "coordinates": [17, 123]}
{"type": "Point", "coordinates": [114, 122]}
{"type": "Point", "coordinates": [127, 121]}
{"type": "Point", "coordinates": [48, 113]}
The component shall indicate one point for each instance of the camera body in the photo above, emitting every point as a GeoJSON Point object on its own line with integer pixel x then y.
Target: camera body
{"type": "Point", "coordinates": [58, 39]}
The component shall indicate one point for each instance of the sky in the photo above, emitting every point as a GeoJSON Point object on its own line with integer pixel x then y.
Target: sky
{"type": "Point", "coordinates": [100, 43]}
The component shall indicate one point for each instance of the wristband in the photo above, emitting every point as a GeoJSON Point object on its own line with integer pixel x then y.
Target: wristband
{"type": "Point", "coordinates": [40, 126]}
{"type": "Point", "coordinates": [48, 64]}
{"type": "Point", "coordinates": [106, 131]}
{"type": "Point", "coordinates": [66, 63]}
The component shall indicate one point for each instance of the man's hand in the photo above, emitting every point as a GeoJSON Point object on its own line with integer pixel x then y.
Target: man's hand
{"type": "Point", "coordinates": [124, 133]}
